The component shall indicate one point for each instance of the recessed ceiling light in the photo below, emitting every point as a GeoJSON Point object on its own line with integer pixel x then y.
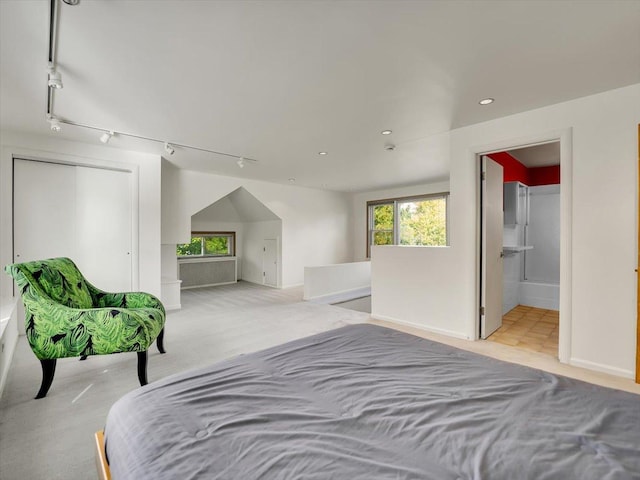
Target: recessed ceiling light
{"type": "Point", "coordinates": [486, 101]}
{"type": "Point", "coordinates": [323, 153]}
{"type": "Point", "coordinates": [386, 132]}
{"type": "Point", "coordinates": [292, 180]}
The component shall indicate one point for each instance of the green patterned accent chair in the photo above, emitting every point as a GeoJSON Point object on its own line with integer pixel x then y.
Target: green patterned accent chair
{"type": "Point", "coordinates": [66, 316]}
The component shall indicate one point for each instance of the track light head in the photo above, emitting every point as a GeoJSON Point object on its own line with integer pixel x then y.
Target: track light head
{"type": "Point", "coordinates": [55, 79]}
{"type": "Point", "coordinates": [106, 136]}
{"type": "Point", "coordinates": [55, 124]}
{"type": "Point", "coordinates": [169, 148]}
{"type": "Point", "coordinates": [240, 162]}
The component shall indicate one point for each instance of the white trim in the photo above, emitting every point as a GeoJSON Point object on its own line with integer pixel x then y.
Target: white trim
{"type": "Point", "coordinates": [205, 258]}
{"type": "Point", "coordinates": [208, 285]}
{"type": "Point", "coordinates": [169, 308]}
{"type": "Point", "coordinates": [418, 326]}
{"type": "Point", "coordinates": [283, 287]}
{"type": "Point", "coordinates": [564, 136]}
{"type": "Point", "coordinates": [341, 296]}
{"type": "Point", "coordinates": [619, 372]}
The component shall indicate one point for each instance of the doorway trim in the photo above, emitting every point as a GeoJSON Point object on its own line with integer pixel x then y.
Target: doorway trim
{"type": "Point", "coordinates": [563, 136]}
{"type": "Point", "coordinates": [637, 271]}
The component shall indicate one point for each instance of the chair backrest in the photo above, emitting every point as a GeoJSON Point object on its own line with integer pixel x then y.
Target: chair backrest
{"type": "Point", "coordinates": [57, 278]}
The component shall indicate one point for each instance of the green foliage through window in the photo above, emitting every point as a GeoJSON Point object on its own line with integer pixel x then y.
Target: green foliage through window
{"type": "Point", "coordinates": [209, 244]}
{"type": "Point", "coordinates": [408, 221]}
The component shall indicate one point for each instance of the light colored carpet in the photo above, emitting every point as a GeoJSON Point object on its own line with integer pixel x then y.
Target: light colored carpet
{"type": "Point", "coordinates": [52, 437]}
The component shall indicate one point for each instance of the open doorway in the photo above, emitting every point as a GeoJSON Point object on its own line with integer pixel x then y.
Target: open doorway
{"type": "Point", "coordinates": [528, 256]}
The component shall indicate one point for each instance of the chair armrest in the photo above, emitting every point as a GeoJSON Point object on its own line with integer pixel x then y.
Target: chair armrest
{"type": "Point", "coordinates": [102, 299]}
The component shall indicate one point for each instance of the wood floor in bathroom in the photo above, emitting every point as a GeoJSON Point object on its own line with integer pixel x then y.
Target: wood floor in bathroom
{"type": "Point", "coordinates": [529, 328]}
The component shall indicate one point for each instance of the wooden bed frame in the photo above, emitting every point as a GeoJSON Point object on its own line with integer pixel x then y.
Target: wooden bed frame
{"type": "Point", "coordinates": [104, 473]}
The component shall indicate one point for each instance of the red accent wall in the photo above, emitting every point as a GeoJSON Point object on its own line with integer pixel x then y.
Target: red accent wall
{"type": "Point", "coordinates": [544, 175]}
{"type": "Point", "coordinates": [514, 171]}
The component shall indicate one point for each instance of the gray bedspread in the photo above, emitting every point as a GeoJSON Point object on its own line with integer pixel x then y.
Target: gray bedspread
{"type": "Point", "coordinates": [367, 402]}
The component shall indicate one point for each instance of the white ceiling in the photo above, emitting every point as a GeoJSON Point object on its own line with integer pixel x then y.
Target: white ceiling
{"type": "Point", "coordinates": [543, 155]}
{"type": "Point", "coordinates": [279, 81]}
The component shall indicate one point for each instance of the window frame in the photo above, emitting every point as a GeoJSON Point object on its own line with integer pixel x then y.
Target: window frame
{"type": "Point", "coordinates": [396, 201]}
{"type": "Point", "coordinates": [203, 235]}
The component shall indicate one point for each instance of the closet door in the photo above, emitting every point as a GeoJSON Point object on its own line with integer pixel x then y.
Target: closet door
{"type": "Point", "coordinates": [78, 212]}
{"type": "Point", "coordinates": [44, 196]}
{"type": "Point", "coordinates": [103, 227]}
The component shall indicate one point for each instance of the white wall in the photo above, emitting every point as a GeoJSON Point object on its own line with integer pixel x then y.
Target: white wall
{"type": "Point", "coordinates": [146, 169]}
{"type": "Point", "coordinates": [597, 273]}
{"type": "Point", "coordinates": [337, 282]}
{"type": "Point", "coordinates": [359, 209]}
{"type": "Point", "coordinates": [315, 223]}
{"type": "Point", "coordinates": [416, 286]}
{"type": "Point", "coordinates": [174, 224]}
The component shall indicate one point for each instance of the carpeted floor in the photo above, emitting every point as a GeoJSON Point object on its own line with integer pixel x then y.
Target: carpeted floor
{"type": "Point", "coordinates": [52, 438]}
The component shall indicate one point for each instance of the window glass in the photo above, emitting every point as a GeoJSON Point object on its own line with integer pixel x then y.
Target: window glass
{"type": "Point", "coordinates": [192, 248]}
{"type": "Point", "coordinates": [382, 228]}
{"type": "Point", "coordinates": [208, 244]}
{"type": "Point", "coordinates": [216, 245]}
{"type": "Point", "coordinates": [423, 222]}
{"type": "Point", "coordinates": [420, 221]}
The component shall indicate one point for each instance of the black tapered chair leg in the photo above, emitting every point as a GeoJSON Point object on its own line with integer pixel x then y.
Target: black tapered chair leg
{"type": "Point", "coordinates": [142, 368]}
{"type": "Point", "coordinates": [83, 357]}
{"type": "Point", "coordinates": [160, 341]}
{"type": "Point", "coordinates": [48, 370]}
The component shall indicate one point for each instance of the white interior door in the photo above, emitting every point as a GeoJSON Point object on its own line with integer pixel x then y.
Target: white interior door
{"type": "Point", "coordinates": [492, 253]}
{"type": "Point", "coordinates": [77, 212]}
{"type": "Point", "coordinates": [44, 196]}
{"type": "Point", "coordinates": [103, 219]}
{"type": "Point", "coordinates": [270, 262]}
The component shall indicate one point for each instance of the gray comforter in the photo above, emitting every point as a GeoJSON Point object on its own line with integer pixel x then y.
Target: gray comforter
{"type": "Point", "coordinates": [366, 402]}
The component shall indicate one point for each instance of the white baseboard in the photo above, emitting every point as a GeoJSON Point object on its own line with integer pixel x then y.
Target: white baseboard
{"type": "Point", "coordinates": [599, 367]}
{"type": "Point", "coordinates": [170, 308]}
{"type": "Point", "coordinates": [441, 331]}
{"type": "Point", "coordinates": [343, 296]}
{"type": "Point", "coordinates": [208, 285]}
{"type": "Point", "coordinates": [294, 285]}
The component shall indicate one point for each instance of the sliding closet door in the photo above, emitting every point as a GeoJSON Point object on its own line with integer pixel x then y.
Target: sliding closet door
{"type": "Point", "coordinates": [103, 227]}
{"type": "Point", "coordinates": [44, 222]}
{"type": "Point", "coordinates": [77, 212]}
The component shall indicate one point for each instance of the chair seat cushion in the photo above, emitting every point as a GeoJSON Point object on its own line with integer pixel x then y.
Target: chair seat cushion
{"type": "Point", "coordinates": [100, 331]}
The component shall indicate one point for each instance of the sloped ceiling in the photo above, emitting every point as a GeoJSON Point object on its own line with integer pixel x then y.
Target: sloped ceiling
{"type": "Point", "coordinates": [238, 206]}
{"type": "Point", "coordinates": [279, 81]}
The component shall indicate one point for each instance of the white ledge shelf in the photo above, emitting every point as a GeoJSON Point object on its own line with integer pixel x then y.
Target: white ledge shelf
{"type": "Point", "coordinates": [512, 249]}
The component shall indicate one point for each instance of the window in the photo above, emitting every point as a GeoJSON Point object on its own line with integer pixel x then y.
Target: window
{"type": "Point", "coordinates": [208, 244]}
{"type": "Point", "coordinates": [418, 220]}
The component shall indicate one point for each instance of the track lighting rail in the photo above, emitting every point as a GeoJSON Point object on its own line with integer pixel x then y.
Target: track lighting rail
{"type": "Point", "coordinates": [54, 82]}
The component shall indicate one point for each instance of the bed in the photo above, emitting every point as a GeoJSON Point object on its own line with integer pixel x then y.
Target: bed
{"type": "Point", "coordinates": [368, 402]}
